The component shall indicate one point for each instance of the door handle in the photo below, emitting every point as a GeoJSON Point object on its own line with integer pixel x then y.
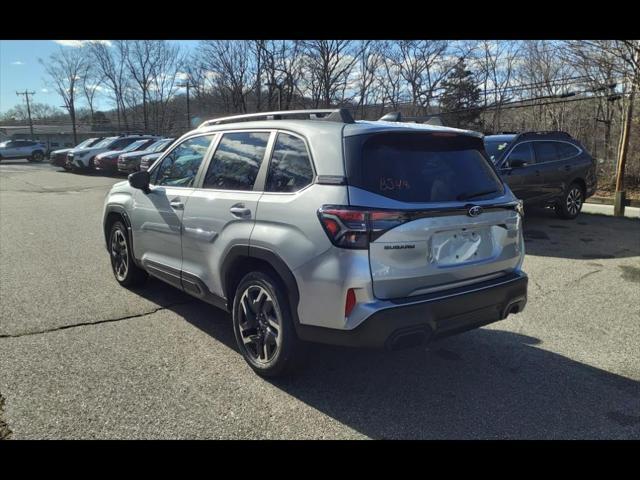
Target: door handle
{"type": "Point", "coordinates": [240, 211]}
{"type": "Point", "coordinates": [567, 167]}
{"type": "Point", "coordinates": [176, 204]}
{"type": "Point", "coordinates": [537, 173]}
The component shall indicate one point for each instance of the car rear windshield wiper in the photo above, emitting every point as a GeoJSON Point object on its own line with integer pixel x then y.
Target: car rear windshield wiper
{"type": "Point", "coordinates": [469, 196]}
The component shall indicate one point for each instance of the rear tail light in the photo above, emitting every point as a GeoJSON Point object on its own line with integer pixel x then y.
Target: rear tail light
{"type": "Point", "coordinates": [349, 227]}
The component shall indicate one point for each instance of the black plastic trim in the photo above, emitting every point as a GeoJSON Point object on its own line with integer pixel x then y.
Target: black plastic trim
{"type": "Point", "coordinates": [277, 263]}
{"type": "Point", "coordinates": [434, 319]}
{"type": "Point", "coordinates": [127, 222]}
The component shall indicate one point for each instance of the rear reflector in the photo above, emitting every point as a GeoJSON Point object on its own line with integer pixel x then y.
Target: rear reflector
{"type": "Point", "coordinates": [350, 302]}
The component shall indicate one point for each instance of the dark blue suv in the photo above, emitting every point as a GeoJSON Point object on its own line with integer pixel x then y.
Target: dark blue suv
{"type": "Point", "coordinates": [545, 168]}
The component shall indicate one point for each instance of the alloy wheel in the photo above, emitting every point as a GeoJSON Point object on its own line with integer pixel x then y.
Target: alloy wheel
{"type": "Point", "coordinates": [259, 324]}
{"type": "Point", "coordinates": [574, 201]}
{"type": "Point", "coordinates": [119, 254]}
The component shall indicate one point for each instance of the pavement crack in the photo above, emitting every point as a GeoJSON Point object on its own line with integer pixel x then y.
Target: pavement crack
{"type": "Point", "coordinates": [98, 322]}
{"type": "Point", "coordinates": [585, 275]}
{"type": "Point", "coordinates": [5, 431]}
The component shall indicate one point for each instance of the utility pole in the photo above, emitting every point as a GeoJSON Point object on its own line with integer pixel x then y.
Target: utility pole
{"type": "Point", "coordinates": [187, 85]}
{"type": "Point", "coordinates": [26, 94]}
{"type": "Point", "coordinates": [619, 202]}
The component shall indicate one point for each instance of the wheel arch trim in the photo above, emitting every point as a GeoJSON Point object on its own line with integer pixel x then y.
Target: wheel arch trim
{"type": "Point", "coordinates": [121, 211]}
{"type": "Point", "coordinates": [271, 258]}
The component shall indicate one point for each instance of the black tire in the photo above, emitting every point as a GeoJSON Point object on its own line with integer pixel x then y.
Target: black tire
{"type": "Point", "coordinates": [120, 253]}
{"type": "Point", "coordinates": [268, 322]}
{"type": "Point", "coordinates": [570, 205]}
{"type": "Point", "coordinates": [37, 156]}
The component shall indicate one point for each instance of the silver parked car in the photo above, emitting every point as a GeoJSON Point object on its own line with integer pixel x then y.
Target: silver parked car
{"type": "Point", "coordinates": [29, 149]}
{"type": "Point", "coordinates": [367, 233]}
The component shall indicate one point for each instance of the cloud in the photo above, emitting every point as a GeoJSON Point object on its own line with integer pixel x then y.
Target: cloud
{"type": "Point", "coordinates": [17, 62]}
{"type": "Point", "coordinates": [80, 43]}
{"type": "Point", "coordinates": [44, 90]}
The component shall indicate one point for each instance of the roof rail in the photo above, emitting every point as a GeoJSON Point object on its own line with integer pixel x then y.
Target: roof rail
{"type": "Point", "coordinates": [398, 117]}
{"type": "Point", "coordinates": [556, 133]}
{"type": "Point", "coordinates": [341, 115]}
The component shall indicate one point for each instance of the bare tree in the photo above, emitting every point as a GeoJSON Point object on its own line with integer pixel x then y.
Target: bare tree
{"type": "Point", "coordinates": [390, 78]}
{"type": "Point", "coordinates": [496, 64]}
{"type": "Point", "coordinates": [90, 81]}
{"type": "Point", "coordinates": [165, 74]}
{"type": "Point", "coordinates": [142, 57]}
{"type": "Point", "coordinates": [64, 68]}
{"type": "Point", "coordinates": [601, 70]}
{"type": "Point", "coordinates": [231, 62]}
{"type": "Point", "coordinates": [369, 61]}
{"type": "Point", "coordinates": [542, 67]}
{"type": "Point", "coordinates": [110, 62]}
{"type": "Point", "coordinates": [329, 64]}
{"type": "Point", "coordinates": [282, 70]}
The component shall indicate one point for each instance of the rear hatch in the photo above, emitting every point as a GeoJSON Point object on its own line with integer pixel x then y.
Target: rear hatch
{"type": "Point", "coordinates": [439, 216]}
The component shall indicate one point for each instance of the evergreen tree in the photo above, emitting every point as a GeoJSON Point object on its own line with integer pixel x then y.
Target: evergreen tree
{"type": "Point", "coordinates": [460, 93]}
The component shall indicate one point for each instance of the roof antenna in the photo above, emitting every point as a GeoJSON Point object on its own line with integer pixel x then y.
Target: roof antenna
{"type": "Point", "coordinates": [391, 117]}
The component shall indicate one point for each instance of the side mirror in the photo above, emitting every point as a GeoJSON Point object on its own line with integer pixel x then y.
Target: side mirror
{"type": "Point", "coordinates": [517, 163]}
{"type": "Point", "coordinates": [140, 180]}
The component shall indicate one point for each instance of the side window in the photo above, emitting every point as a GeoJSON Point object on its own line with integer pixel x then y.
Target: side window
{"type": "Point", "coordinates": [290, 167]}
{"type": "Point", "coordinates": [119, 144]}
{"type": "Point", "coordinates": [180, 166]}
{"type": "Point", "coordinates": [566, 150]}
{"type": "Point", "coordinates": [522, 153]}
{"type": "Point", "coordinates": [545, 151]}
{"type": "Point", "coordinates": [237, 160]}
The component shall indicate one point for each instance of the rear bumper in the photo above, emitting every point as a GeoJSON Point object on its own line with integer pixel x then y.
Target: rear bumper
{"type": "Point", "coordinates": [430, 316]}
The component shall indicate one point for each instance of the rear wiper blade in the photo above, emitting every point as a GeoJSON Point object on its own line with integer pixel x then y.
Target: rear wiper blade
{"type": "Point", "coordinates": [465, 196]}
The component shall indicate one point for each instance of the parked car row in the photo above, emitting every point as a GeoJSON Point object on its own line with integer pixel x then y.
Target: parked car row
{"type": "Point", "coordinates": [123, 153]}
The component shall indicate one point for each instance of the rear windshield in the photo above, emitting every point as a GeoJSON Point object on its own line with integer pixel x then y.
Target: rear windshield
{"type": "Point", "coordinates": [417, 168]}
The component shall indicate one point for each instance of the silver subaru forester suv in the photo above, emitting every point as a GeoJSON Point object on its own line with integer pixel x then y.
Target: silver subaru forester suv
{"type": "Point", "coordinates": [310, 226]}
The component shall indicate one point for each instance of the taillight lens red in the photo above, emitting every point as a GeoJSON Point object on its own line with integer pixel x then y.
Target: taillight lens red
{"type": "Point", "coordinates": [350, 227]}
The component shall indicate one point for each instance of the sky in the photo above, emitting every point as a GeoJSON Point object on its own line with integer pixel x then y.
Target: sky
{"type": "Point", "coordinates": [20, 70]}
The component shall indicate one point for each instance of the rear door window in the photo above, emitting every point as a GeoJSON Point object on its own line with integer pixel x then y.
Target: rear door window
{"type": "Point", "coordinates": [521, 153]}
{"type": "Point", "coordinates": [566, 150]}
{"type": "Point", "coordinates": [237, 160]}
{"type": "Point", "coordinates": [546, 151]}
{"type": "Point", "coordinates": [290, 167]}
{"type": "Point", "coordinates": [417, 168]}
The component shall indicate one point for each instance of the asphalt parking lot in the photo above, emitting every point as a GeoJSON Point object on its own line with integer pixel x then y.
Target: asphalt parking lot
{"type": "Point", "coordinates": [81, 357]}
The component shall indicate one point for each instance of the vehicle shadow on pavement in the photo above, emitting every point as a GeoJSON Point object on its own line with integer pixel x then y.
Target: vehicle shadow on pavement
{"type": "Point", "coordinates": [588, 237]}
{"type": "Point", "coordinates": [485, 383]}
{"type": "Point", "coordinates": [482, 384]}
